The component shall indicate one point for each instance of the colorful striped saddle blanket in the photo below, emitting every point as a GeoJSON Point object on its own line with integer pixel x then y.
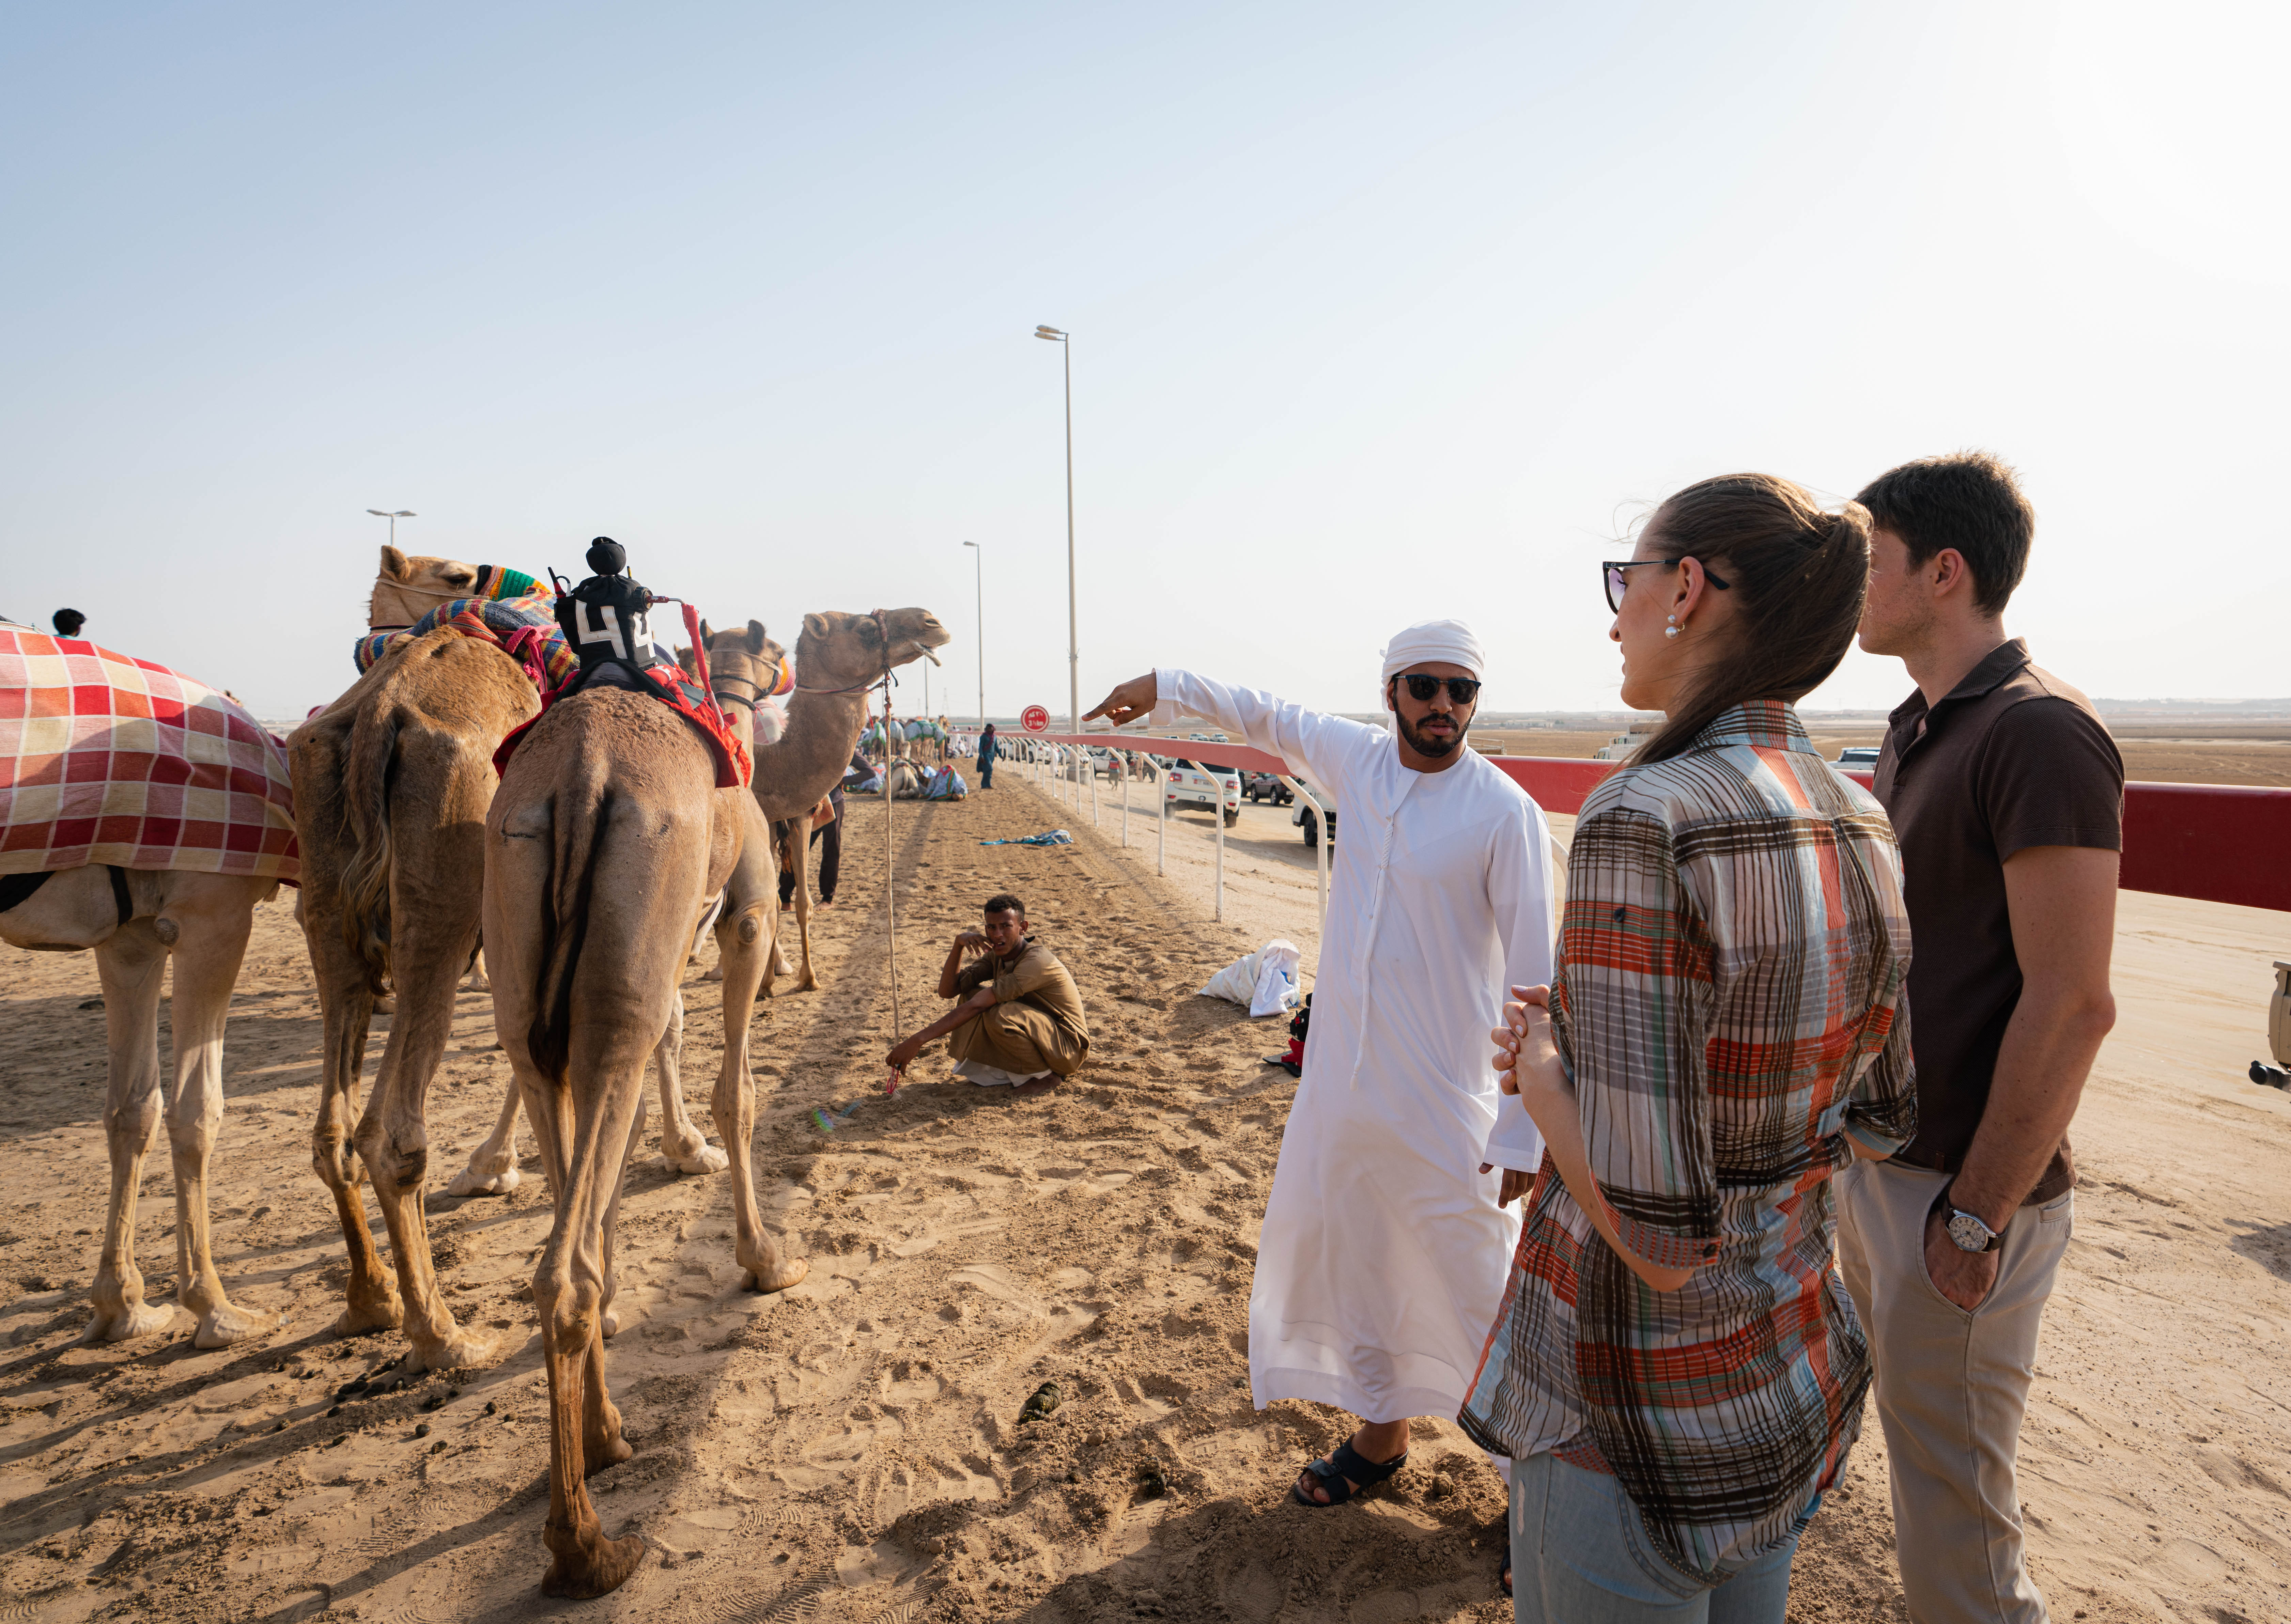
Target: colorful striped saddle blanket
{"type": "Point", "coordinates": [683, 691]}
{"type": "Point", "coordinates": [511, 611]}
{"type": "Point", "coordinates": [104, 759]}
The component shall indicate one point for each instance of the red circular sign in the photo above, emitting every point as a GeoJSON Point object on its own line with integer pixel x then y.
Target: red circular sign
{"type": "Point", "coordinates": [1034, 719]}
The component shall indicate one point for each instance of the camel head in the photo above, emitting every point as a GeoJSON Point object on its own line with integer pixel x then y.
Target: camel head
{"type": "Point", "coordinates": [846, 651]}
{"type": "Point", "coordinates": [407, 588]}
{"type": "Point", "coordinates": [745, 653]}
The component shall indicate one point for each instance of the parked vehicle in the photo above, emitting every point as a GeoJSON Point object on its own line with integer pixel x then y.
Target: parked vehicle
{"type": "Point", "coordinates": [1265, 786]}
{"type": "Point", "coordinates": [1190, 784]}
{"type": "Point", "coordinates": [1859, 755]}
{"type": "Point", "coordinates": [1311, 817]}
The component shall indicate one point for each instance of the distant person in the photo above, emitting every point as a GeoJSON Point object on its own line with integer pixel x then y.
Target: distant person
{"type": "Point", "coordinates": [1675, 1374]}
{"type": "Point", "coordinates": [987, 751]}
{"type": "Point", "coordinates": [1020, 1020]}
{"type": "Point", "coordinates": [68, 621]}
{"type": "Point", "coordinates": [829, 838]}
{"type": "Point", "coordinates": [1382, 1258]}
{"type": "Point", "coordinates": [2007, 794]}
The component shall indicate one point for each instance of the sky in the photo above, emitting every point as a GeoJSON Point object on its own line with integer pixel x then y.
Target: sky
{"type": "Point", "coordinates": [1379, 313]}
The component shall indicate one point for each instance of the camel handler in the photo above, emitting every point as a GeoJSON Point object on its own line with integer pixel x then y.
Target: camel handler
{"type": "Point", "coordinates": [1020, 1020]}
{"type": "Point", "coordinates": [1387, 1238]}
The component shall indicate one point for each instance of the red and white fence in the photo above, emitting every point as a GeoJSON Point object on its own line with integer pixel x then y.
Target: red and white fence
{"type": "Point", "coordinates": [2215, 843]}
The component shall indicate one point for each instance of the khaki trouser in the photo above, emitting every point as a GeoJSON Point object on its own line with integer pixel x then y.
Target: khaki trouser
{"type": "Point", "coordinates": [1952, 1388]}
{"type": "Point", "coordinates": [1016, 1037]}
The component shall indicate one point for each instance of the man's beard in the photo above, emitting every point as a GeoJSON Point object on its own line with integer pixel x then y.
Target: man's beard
{"type": "Point", "coordinates": [1422, 746]}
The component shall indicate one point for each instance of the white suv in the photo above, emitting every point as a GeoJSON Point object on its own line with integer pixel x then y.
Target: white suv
{"type": "Point", "coordinates": [1189, 782]}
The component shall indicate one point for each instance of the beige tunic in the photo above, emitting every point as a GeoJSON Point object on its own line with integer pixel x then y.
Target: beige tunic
{"type": "Point", "coordinates": [1037, 1023]}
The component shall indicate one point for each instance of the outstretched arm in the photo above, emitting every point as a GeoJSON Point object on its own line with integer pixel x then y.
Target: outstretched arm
{"type": "Point", "coordinates": [903, 1054]}
{"type": "Point", "coordinates": [1310, 741]}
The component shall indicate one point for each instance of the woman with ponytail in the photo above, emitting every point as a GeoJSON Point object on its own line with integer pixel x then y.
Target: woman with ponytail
{"type": "Point", "coordinates": [1676, 1372]}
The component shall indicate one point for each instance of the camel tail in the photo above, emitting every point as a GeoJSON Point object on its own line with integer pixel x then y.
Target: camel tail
{"type": "Point", "coordinates": [576, 852]}
{"type": "Point", "coordinates": [366, 879]}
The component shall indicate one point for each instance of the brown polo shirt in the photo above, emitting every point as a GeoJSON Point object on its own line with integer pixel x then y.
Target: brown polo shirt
{"type": "Point", "coordinates": [2010, 758]}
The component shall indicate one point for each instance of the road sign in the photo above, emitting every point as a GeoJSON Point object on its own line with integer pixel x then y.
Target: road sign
{"type": "Point", "coordinates": [1034, 719]}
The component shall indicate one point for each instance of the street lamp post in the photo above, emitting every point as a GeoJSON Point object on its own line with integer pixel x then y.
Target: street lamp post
{"type": "Point", "coordinates": [1073, 636]}
{"type": "Point", "coordinates": [393, 518]}
{"type": "Point", "coordinates": [980, 573]}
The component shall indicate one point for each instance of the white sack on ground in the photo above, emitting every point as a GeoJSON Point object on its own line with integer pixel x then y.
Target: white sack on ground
{"type": "Point", "coordinates": [1276, 978]}
{"type": "Point", "coordinates": [1263, 981]}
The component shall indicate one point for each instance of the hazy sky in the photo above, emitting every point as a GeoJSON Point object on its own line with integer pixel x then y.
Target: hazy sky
{"type": "Point", "coordinates": [1379, 312]}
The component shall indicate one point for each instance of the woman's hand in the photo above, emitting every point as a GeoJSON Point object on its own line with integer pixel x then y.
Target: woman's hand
{"type": "Point", "coordinates": [1527, 1058]}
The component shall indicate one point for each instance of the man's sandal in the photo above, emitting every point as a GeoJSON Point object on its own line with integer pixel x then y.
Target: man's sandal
{"type": "Point", "coordinates": [1345, 1468]}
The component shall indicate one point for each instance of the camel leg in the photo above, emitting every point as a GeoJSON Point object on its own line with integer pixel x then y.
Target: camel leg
{"type": "Point", "coordinates": [477, 981]}
{"type": "Point", "coordinates": [801, 868]}
{"type": "Point", "coordinates": [346, 1008]}
{"type": "Point", "coordinates": [130, 965]}
{"type": "Point", "coordinates": [569, 1291]}
{"type": "Point", "coordinates": [608, 1320]}
{"type": "Point", "coordinates": [393, 1138]}
{"type": "Point", "coordinates": [211, 923]}
{"type": "Point", "coordinates": [683, 1146]}
{"type": "Point", "coordinates": [744, 941]}
{"type": "Point", "coordinates": [493, 1165]}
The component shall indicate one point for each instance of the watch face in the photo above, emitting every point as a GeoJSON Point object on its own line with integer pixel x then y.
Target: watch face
{"type": "Point", "coordinates": [1970, 1234]}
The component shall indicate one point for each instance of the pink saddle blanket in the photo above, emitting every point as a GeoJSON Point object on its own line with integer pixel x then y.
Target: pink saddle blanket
{"type": "Point", "coordinates": [108, 760]}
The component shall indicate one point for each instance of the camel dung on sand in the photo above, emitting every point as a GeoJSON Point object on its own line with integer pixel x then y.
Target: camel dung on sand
{"type": "Point", "coordinates": [135, 920]}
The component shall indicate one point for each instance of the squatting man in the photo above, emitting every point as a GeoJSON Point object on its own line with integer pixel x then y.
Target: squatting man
{"type": "Point", "coordinates": [1387, 1238]}
{"type": "Point", "coordinates": [1020, 1021]}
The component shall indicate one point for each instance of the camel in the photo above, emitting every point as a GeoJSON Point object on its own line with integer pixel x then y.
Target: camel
{"type": "Point", "coordinates": [135, 918]}
{"type": "Point", "coordinates": [392, 781]}
{"type": "Point", "coordinates": [606, 847]}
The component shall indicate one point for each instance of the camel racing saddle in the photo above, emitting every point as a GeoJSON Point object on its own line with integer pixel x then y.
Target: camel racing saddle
{"type": "Point", "coordinates": [607, 622]}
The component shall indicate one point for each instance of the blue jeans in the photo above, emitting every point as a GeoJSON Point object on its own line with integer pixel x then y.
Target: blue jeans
{"type": "Point", "coordinates": [1580, 1556]}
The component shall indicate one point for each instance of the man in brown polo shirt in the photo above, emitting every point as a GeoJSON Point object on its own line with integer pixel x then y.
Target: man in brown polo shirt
{"type": "Point", "coordinates": [1020, 1020]}
{"type": "Point", "coordinates": [2006, 794]}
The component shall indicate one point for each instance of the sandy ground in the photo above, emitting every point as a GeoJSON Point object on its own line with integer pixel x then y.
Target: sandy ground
{"type": "Point", "coordinates": [851, 1450]}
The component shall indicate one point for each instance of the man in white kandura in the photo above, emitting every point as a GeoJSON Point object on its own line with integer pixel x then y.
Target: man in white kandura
{"type": "Point", "coordinates": [1384, 1249]}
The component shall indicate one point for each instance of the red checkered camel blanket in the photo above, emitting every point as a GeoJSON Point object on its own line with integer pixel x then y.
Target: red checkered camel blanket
{"type": "Point", "coordinates": [108, 760]}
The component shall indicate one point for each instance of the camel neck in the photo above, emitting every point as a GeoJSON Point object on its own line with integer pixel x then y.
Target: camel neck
{"type": "Point", "coordinates": [807, 760]}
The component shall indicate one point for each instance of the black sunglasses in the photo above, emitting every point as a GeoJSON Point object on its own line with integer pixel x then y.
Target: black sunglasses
{"type": "Point", "coordinates": [1461, 690]}
{"type": "Point", "coordinates": [1612, 573]}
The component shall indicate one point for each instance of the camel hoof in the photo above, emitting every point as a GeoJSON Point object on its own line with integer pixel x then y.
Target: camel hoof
{"type": "Point", "coordinates": [599, 1456]}
{"type": "Point", "coordinates": [715, 973]}
{"type": "Point", "coordinates": [704, 1158]}
{"type": "Point", "coordinates": [126, 1324]}
{"type": "Point", "coordinates": [221, 1327]}
{"type": "Point", "coordinates": [469, 1181]}
{"type": "Point", "coordinates": [789, 1274]}
{"type": "Point", "coordinates": [598, 1569]}
{"type": "Point", "coordinates": [463, 1350]}
{"type": "Point", "coordinates": [385, 1313]}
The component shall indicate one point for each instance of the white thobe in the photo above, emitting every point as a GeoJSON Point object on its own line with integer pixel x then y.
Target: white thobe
{"type": "Point", "coordinates": [1384, 1254]}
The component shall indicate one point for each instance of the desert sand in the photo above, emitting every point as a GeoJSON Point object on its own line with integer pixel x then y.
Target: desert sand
{"type": "Point", "coordinates": [852, 1450]}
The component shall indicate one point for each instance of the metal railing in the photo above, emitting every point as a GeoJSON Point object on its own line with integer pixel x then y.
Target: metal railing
{"type": "Point", "coordinates": [2213, 842]}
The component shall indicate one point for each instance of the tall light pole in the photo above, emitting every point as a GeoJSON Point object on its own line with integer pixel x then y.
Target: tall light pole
{"type": "Point", "coordinates": [1073, 636]}
{"type": "Point", "coordinates": [981, 574]}
{"type": "Point", "coordinates": [393, 518]}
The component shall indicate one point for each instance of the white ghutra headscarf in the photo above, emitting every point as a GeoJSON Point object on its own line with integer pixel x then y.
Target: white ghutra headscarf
{"type": "Point", "coordinates": [1442, 642]}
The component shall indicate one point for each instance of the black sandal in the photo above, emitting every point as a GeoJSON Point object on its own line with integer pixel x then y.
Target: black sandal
{"type": "Point", "coordinates": [1346, 1463]}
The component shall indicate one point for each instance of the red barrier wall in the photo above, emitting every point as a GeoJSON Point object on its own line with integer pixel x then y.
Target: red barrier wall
{"type": "Point", "coordinates": [2215, 842]}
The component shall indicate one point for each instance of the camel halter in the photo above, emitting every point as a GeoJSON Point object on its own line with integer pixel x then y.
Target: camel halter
{"type": "Point", "coordinates": [418, 592]}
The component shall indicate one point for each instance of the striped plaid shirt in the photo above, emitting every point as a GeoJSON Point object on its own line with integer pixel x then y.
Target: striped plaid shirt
{"type": "Point", "coordinates": [1731, 1006]}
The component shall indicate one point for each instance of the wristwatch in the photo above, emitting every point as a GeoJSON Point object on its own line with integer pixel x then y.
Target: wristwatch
{"type": "Point", "coordinates": [1968, 1232]}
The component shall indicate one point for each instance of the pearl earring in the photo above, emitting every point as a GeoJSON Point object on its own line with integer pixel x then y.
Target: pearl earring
{"type": "Point", "coordinates": [1672, 628]}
